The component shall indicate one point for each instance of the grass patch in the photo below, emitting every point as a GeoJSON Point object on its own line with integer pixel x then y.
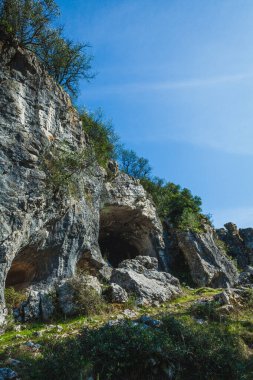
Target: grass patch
{"type": "Point", "coordinates": [181, 347]}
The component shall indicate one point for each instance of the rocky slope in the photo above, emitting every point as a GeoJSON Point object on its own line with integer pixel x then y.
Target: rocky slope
{"type": "Point", "coordinates": [48, 233]}
{"type": "Point", "coordinates": [238, 242]}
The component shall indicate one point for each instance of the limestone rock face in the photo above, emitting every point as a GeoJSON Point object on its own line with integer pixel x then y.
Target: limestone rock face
{"type": "Point", "coordinates": [208, 264]}
{"type": "Point", "coordinates": [140, 276]}
{"type": "Point", "coordinates": [47, 234]}
{"type": "Point", "coordinates": [201, 256]}
{"type": "Point", "coordinates": [239, 243]}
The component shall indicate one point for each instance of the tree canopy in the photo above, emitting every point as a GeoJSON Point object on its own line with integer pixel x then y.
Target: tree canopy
{"type": "Point", "coordinates": [134, 165]}
{"type": "Point", "coordinates": [32, 24]}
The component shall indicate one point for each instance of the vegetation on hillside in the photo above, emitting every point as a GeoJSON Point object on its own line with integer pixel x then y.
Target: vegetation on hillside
{"type": "Point", "coordinates": [190, 339]}
{"type": "Point", "coordinates": [101, 136]}
{"type": "Point", "coordinates": [31, 23]}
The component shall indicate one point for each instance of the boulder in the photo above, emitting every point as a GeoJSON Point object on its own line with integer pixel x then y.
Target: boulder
{"type": "Point", "coordinates": [206, 261]}
{"type": "Point", "coordinates": [148, 285]}
{"type": "Point", "coordinates": [116, 294]}
{"type": "Point", "coordinates": [239, 243]}
{"type": "Point", "coordinates": [246, 277]}
{"type": "Point", "coordinates": [7, 374]}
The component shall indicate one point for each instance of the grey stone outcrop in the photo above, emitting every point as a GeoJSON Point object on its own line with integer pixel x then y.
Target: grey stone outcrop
{"type": "Point", "coordinates": [45, 233]}
{"type": "Point", "coordinates": [117, 294]}
{"type": "Point", "coordinates": [208, 264]}
{"type": "Point", "coordinates": [200, 256]}
{"type": "Point", "coordinates": [140, 277]}
{"type": "Point", "coordinates": [239, 243]}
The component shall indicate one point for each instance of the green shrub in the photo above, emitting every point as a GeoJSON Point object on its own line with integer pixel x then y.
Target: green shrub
{"type": "Point", "coordinates": [206, 310]}
{"type": "Point", "coordinates": [207, 351]}
{"type": "Point", "coordinates": [32, 23]}
{"type": "Point", "coordinates": [101, 136]}
{"type": "Point", "coordinates": [247, 298]}
{"type": "Point", "coordinates": [63, 360]}
{"type": "Point", "coordinates": [175, 205]}
{"type": "Point", "coordinates": [13, 298]}
{"type": "Point", "coordinates": [87, 300]}
{"type": "Point", "coordinates": [62, 164]}
{"type": "Point", "coordinates": [183, 349]}
{"type": "Point", "coordinates": [134, 165]}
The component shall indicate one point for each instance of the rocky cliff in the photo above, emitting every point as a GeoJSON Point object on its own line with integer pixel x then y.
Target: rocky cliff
{"type": "Point", "coordinates": [107, 222]}
{"type": "Point", "coordinates": [199, 258]}
{"type": "Point", "coordinates": [238, 242]}
{"type": "Point", "coordinates": [46, 234]}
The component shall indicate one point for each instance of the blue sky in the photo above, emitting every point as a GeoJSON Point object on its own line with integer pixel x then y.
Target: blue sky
{"type": "Point", "coordinates": [176, 78]}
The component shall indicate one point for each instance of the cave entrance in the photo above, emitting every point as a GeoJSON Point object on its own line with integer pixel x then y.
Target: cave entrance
{"type": "Point", "coordinates": [29, 266]}
{"type": "Point", "coordinates": [124, 234]}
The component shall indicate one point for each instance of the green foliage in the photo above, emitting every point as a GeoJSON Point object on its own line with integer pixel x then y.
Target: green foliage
{"type": "Point", "coordinates": [207, 310]}
{"type": "Point", "coordinates": [221, 245]}
{"type": "Point", "coordinates": [66, 61]}
{"type": "Point", "coordinates": [133, 165]}
{"type": "Point", "coordinates": [181, 348]}
{"type": "Point", "coordinates": [62, 165]}
{"type": "Point", "coordinates": [101, 136]}
{"type": "Point", "coordinates": [62, 360]}
{"type": "Point", "coordinates": [247, 297]}
{"type": "Point", "coordinates": [175, 205]}
{"type": "Point", "coordinates": [13, 298]}
{"type": "Point", "coordinates": [88, 301]}
{"type": "Point", "coordinates": [30, 23]}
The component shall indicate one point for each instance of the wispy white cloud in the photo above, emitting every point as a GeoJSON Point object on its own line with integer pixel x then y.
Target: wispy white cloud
{"type": "Point", "coordinates": [169, 85]}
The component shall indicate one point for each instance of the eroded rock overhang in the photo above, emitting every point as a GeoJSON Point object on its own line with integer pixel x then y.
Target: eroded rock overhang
{"type": "Point", "coordinates": [45, 234]}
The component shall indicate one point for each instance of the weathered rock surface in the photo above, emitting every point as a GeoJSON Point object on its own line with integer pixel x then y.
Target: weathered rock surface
{"type": "Point", "coordinates": [7, 374]}
{"type": "Point", "coordinates": [239, 243]}
{"type": "Point", "coordinates": [200, 255]}
{"type": "Point", "coordinates": [117, 294]}
{"type": "Point", "coordinates": [246, 277]}
{"type": "Point", "coordinates": [140, 276]}
{"type": "Point", "coordinates": [46, 234]}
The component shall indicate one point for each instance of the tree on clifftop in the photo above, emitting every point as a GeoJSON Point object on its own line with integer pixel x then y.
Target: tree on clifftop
{"type": "Point", "coordinates": [30, 23]}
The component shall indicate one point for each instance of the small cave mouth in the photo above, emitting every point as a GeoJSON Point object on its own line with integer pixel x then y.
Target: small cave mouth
{"type": "Point", "coordinates": [180, 268]}
{"type": "Point", "coordinates": [124, 234]}
{"type": "Point", "coordinates": [116, 248]}
{"type": "Point", "coordinates": [30, 266]}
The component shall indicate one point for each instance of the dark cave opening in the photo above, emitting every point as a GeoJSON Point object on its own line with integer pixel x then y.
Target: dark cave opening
{"type": "Point", "coordinates": [29, 266]}
{"type": "Point", "coordinates": [124, 234]}
{"type": "Point", "coordinates": [180, 268]}
{"type": "Point", "coordinates": [115, 248]}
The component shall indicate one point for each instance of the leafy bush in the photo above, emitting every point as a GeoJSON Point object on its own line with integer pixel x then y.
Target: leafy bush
{"type": "Point", "coordinates": [206, 310]}
{"type": "Point", "coordinates": [62, 165]}
{"type": "Point", "coordinates": [32, 24]}
{"type": "Point", "coordinates": [63, 360]}
{"type": "Point", "coordinates": [87, 299]}
{"type": "Point", "coordinates": [13, 298]}
{"type": "Point", "coordinates": [101, 136]}
{"type": "Point", "coordinates": [175, 205]}
{"type": "Point", "coordinates": [247, 297]}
